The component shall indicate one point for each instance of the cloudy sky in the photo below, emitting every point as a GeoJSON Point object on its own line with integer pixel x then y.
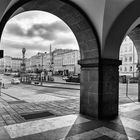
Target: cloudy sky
{"type": "Point", "coordinates": [35, 31]}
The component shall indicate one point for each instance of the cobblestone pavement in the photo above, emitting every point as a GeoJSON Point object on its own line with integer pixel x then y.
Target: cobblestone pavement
{"type": "Point", "coordinates": [70, 127]}
{"type": "Point", "coordinates": [11, 112]}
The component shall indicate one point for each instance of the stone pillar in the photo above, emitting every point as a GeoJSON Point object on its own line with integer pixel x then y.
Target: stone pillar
{"type": "Point", "coordinates": [138, 66]}
{"type": "Point", "coordinates": [89, 87]}
{"type": "Point", "coordinates": [99, 88]}
{"type": "Point", "coordinates": [109, 88]}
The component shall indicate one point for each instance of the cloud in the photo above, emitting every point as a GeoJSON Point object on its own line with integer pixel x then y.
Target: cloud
{"type": "Point", "coordinates": [47, 31]}
{"type": "Point", "coordinates": [19, 45]}
{"type": "Point", "coordinates": [65, 41]}
{"type": "Point", "coordinates": [14, 29]}
{"type": "Point", "coordinates": [41, 31]}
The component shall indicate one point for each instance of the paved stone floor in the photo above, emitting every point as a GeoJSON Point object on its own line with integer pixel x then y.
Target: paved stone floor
{"type": "Point", "coordinates": [66, 124]}
{"type": "Point", "coordinates": [11, 112]}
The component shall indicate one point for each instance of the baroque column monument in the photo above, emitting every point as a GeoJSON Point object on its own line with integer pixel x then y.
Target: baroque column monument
{"type": "Point", "coordinates": [23, 67]}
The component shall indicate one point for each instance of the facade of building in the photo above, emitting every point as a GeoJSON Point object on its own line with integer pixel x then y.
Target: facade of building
{"type": "Point", "coordinates": [16, 64]}
{"type": "Point", "coordinates": [129, 58]}
{"type": "Point", "coordinates": [46, 61]}
{"type": "Point", "coordinates": [5, 64]}
{"type": "Point", "coordinates": [70, 61]}
{"type": "Point", "coordinates": [28, 64]}
{"type": "Point", "coordinates": [39, 61]}
{"type": "Point", "coordinates": [9, 64]}
{"type": "Point", "coordinates": [58, 61]}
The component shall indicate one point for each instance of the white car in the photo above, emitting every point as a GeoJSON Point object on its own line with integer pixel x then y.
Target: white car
{"type": "Point", "coordinates": [15, 81]}
{"type": "Point", "coordinates": [65, 77]}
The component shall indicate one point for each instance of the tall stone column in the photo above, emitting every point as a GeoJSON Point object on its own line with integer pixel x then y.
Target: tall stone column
{"type": "Point", "coordinates": [109, 88]}
{"type": "Point", "coordinates": [89, 81]}
{"type": "Point", "coordinates": [99, 88]}
{"type": "Point", "coordinates": [138, 66]}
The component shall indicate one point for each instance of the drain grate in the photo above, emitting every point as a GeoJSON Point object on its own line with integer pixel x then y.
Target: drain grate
{"type": "Point", "coordinates": [16, 102]}
{"type": "Point", "coordinates": [37, 115]}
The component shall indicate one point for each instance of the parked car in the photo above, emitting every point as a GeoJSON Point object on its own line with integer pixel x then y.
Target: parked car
{"type": "Point", "coordinates": [123, 79]}
{"type": "Point", "coordinates": [133, 80]}
{"type": "Point", "coordinates": [65, 77]}
{"type": "Point", "coordinates": [15, 81]}
{"type": "Point", "coordinates": [73, 78]}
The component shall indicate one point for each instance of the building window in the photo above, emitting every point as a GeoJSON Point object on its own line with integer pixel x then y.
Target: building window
{"type": "Point", "coordinates": [125, 59]}
{"type": "Point", "coordinates": [130, 58]}
{"type": "Point", "coordinates": [125, 69]}
{"type": "Point", "coordinates": [125, 48]}
{"type": "Point", "coordinates": [131, 68]}
{"type": "Point", "coordinates": [120, 68]}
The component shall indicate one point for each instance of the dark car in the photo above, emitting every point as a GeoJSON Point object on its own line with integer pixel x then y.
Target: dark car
{"type": "Point", "coordinates": [123, 79]}
{"type": "Point", "coordinates": [133, 80]}
{"type": "Point", "coordinates": [73, 78]}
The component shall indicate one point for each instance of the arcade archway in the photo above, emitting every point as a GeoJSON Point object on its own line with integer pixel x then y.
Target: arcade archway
{"type": "Point", "coordinates": [87, 40]}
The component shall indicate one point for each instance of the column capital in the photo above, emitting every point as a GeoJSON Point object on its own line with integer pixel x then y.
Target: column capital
{"type": "Point", "coordinates": [96, 62]}
{"type": "Point", "coordinates": [110, 62]}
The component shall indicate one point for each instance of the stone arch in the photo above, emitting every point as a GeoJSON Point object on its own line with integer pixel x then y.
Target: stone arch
{"type": "Point", "coordinates": [71, 14]}
{"type": "Point", "coordinates": [87, 39]}
{"type": "Point", "coordinates": [123, 25]}
{"type": "Point", "coordinates": [135, 36]}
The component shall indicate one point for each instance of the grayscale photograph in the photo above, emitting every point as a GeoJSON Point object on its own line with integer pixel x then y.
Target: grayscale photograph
{"type": "Point", "coordinates": [69, 70]}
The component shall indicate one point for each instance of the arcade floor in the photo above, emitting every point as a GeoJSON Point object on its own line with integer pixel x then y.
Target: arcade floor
{"type": "Point", "coordinates": [77, 127]}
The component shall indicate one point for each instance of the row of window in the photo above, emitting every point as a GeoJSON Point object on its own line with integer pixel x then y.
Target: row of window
{"type": "Point", "coordinates": [126, 59]}
{"type": "Point", "coordinates": [126, 69]}
{"type": "Point", "coordinates": [126, 48]}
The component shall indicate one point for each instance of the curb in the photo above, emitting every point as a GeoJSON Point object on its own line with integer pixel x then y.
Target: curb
{"type": "Point", "coordinates": [57, 87]}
